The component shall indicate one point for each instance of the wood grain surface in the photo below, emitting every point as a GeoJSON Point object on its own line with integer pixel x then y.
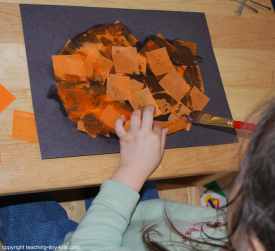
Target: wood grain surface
{"type": "Point", "coordinates": [245, 50]}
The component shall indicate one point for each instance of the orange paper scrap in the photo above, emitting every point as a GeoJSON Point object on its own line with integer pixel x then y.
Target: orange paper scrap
{"type": "Point", "coordinates": [24, 127]}
{"type": "Point", "coordinates": [98, 67]}
{"type": "Point", "coordinates": [125, 59]}
{"type": "Point", "coordinates": [140, 99]}
{"type": "Point", "coordinates": [199, 99]}
{"type": "Point", "coordinates": [159, 61]}
{"type": "Point", "coordinates": [69, 68]}
{"type": "Point", "coordinates": [120, 87]}
{"type": "Point", "coordinates": [6, 98]}
{"type": "Point", "coordinates": [175, 85]}
{"type": "Point", "coordinates": [175, 125]}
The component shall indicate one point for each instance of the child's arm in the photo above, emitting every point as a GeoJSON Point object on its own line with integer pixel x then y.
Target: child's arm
{"type": "Point", "coordinates": [103, 227]}
{"type": "Point", "coordinates": [106, 221]}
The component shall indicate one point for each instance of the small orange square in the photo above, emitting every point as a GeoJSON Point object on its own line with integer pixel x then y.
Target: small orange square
{"type": "Point", "coordinates": [175, 85]}
{"type": "Point", "coordinates": [121, 87]}
{"type": "Point", "coordinates": [125, 59]}
{"type": "Point", "coordinates": [6, 98]}
{"type": "Point", "coordinates": [159, 61]}
{"type": "Point", "coordinates": [69, 67]}
{"type": "Point", "coordinates": [24, 127]}
{"type": "Point", "coordinates": [199, 100]}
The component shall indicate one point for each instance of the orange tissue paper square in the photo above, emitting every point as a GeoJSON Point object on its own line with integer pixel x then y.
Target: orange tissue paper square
{"type": "Point", "coordinates": [24, 127]}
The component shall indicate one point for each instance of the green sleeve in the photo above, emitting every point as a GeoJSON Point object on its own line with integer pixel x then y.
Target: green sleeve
{"type": "Point", "coordinates": [106, 220]}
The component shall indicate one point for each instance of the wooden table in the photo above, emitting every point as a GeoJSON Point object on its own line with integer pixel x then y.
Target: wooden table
{"type": "Point", "coordinates": [245, 51]}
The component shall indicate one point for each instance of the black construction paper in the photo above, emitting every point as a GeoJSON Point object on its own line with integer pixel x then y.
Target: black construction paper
{"type": "Point", "coordinates": [47, 28]}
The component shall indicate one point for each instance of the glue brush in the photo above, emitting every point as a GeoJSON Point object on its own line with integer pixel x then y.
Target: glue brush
{"type": "Point", "coordinates": [203, 118]}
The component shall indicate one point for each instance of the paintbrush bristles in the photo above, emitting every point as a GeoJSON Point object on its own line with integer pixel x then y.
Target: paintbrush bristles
{"type": "Point", "coordinates": [208, 119]}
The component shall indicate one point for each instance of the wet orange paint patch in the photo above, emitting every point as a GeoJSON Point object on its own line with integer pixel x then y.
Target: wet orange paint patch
{"type": "Point", "coordinates": [6, 98]}
{"type": "Point", "coordinates": [24, 127]}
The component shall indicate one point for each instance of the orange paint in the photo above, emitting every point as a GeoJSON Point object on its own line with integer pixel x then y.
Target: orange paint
{"type": "Point", "coordinates": [24, 127]}
{"type": "Point", "coordinates": [6, 98]}
{"type": "Point", "coordinates": [77, 101]}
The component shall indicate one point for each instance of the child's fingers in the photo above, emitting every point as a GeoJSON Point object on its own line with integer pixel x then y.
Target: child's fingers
{"type": "Point", "coordinates": [148, 118]}
{"type": "Point", "coordinates": [164, 132]}
{"type": "Point", "coordinates": [135, 121]}
{"type": "Point", "coordinates": [119, 128]}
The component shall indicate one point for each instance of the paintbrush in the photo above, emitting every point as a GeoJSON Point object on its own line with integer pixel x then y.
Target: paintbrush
{"type": "Point", "coordinates": [203, 118]}
{"type": "Point", "coordinates": [243, 4]}
{"type": "Point", "coordinates": [261, 5]}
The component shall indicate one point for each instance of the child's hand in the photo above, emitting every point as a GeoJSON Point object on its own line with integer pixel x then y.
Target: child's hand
{"type": "Point", "coordinates": [141, 148]}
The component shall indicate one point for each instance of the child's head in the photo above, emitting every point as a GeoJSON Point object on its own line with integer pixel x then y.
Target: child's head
{"type": "Point", "coordinates": [251, 212]}
{"type": "Point", "coordinates": [251, 217]}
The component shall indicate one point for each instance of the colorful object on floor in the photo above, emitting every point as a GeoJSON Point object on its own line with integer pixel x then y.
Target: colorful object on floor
{"type": "Point", "coordinates": [6, 98]}
{"type": "Point", "coordinates": [24, 127]}
{"type": "Point", "coordinates": [213, 196]}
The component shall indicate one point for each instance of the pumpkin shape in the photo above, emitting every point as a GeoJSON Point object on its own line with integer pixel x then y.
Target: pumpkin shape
{"type": "Point", "coordinates": [105, 73]}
